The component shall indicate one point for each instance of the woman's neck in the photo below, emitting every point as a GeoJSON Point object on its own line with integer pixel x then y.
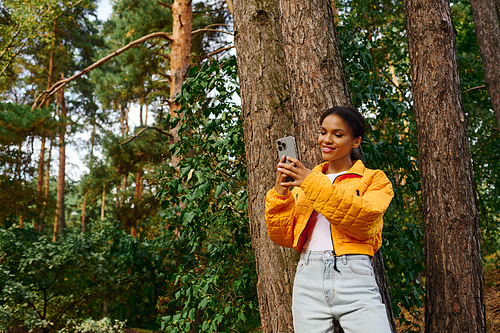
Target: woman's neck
{"type": "Point", "coordinates": [339, 166]}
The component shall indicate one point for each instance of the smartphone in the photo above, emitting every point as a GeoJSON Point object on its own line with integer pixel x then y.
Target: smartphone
{"type": "Point", "coordinates": [287, 146]}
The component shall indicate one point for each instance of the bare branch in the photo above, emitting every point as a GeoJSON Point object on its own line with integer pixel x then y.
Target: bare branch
{"type": "Point", "coordinates": [58, 85]}
{"type": "Point", "coordinates": [212, 30]}
{"type": "Point", "coordinates": [165, 5]}
{"type": "Point", "coordinates": [158, 129]}
{"type": "Point", "coordinates": [475, 88]}
{"type": "Point", "coordinates": [165, 75]}
{"type": "Point", "coordinates": [220, 50]}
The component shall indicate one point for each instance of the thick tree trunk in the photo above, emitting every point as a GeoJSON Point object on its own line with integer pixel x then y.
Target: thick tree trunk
{"type": "Point", "coordinates": [59, 222]}
{"type": "Point", "coordinates": [314, 69]}
{"type": "Point", "coordinates": [453, 268]}
{"type": "Point", "coordinates": [317, 81]}
{"type": "Point", "coordinates": [289, 73]}
{"type": "Point", "coordinates": [488, 37]}
{"type": "Point", "coordinates": [266, 117]}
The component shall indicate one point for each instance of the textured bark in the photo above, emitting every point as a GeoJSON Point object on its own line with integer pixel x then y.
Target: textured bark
{"type": "Point", "coordinates": [266, 117]}
{"type": "Point", "coordinates": [454, 279]}
{"type": "Point", "coordinates": [314, 69]}
{"type": "Point", "coordinates": [289, 73]}
{"type": "Point", "coordinates": [317, 81]}
{"type": "Point", "coordinates": [488, 37]}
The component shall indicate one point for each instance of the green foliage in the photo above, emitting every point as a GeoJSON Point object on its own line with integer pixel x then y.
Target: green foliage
{"type": "Point", "coordinates": [205, 206]}
{"type": "Point", "coordinates": [19, 126]}
{"type": "Point", "coordinates": [53, 285]}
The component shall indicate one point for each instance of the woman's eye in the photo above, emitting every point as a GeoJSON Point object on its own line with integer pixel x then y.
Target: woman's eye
{"type": "Point", "coordinates": [338, 135]}
{"type": "Point", "coordinates": [322, 133]}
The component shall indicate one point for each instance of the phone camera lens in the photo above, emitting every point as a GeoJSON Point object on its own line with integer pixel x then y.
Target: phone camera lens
{"type": "Point", "coordinates": [283, 145]}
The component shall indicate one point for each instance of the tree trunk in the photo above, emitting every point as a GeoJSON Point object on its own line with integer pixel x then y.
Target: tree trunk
{"type": "Point", "coordinates": [103, 203]}
{"type": "Point", "coordinates": [488, 37]}
{"type": "Point", "coordinates": [317, 81]}
{"type": "Point", "coordinates": [84, 210]}
{"type": "Point", "coordinates": [137, 198]}
{"type": "Point", "coordinates": [59, 222]}
{"type": "Point", "coordinates": [41, 162]}
{"type": "Point", "coordinates": [266, 117]}
{"type": "Point", "coordinates": [279, 47]}
{"type": "Point", "coordinates": [47, 172]}
{"type": "Point", "coordinates": [182, 12]}
{"type": "Point", "coordinates": [454, 278]}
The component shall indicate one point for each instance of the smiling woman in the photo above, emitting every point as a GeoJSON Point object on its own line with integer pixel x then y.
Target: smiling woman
{"type": "Point", "coordinates": [334, 211]}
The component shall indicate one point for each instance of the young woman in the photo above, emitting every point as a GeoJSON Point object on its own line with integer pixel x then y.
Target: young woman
{"type": "Point", "coordinates": [333, 217]}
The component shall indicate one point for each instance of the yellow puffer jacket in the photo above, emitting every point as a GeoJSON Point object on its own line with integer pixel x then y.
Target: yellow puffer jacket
{"type": "Point", "coordinates": [354, 205]}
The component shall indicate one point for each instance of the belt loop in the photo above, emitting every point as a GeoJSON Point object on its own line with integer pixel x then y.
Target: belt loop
{"type": "Point", "coordinates": [307, 257]}
{"type": "Point", "coordinates": [344, 259]}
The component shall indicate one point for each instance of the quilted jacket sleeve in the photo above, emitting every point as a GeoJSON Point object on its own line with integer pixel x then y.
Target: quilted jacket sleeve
{"type": "Point", "coordinates": [279, 217]}
{"type": "Point", "coordinates": [359, 215]}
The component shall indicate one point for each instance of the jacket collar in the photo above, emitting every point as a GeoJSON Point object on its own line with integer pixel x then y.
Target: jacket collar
{"type": "Point", "coordinates": [357, 169]}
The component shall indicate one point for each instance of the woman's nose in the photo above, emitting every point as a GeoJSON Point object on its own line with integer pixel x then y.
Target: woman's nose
{"type": "Point", "coordinates": [328, 138]}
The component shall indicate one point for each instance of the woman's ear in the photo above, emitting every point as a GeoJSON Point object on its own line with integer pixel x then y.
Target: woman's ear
{"type": "Point", "coordinates": [357, 142]}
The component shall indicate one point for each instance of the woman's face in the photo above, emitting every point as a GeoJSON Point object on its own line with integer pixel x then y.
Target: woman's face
{"type": "Point", "coordinates": [336, 141]}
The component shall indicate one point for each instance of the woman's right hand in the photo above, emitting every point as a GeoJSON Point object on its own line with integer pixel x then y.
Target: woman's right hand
{"type": "Point", "coordinates": [280, 178]}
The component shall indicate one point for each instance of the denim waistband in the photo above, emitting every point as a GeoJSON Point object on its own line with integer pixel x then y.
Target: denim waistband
{"type": "Point", "coordinates": [330, 255]}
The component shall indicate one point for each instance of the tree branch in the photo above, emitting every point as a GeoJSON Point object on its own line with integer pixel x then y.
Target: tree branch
{"type": "Point", "coordinates": [165, 5]}
{"type": "Point", "coordinates": [220, 50]}
{"type": "Point", "coordinates": [40, 100]}
{"type": "Point", "coordinates": [159, 130]}
{"type": "Point", "coordinates": [212, 30]}
{"type": "Point", "coordinates": [475, 88]}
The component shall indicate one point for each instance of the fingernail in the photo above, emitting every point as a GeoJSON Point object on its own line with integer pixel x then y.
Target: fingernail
{"type": "Point", "coordinates": [279, 169]}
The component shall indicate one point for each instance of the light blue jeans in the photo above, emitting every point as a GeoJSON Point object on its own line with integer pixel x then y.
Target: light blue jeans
{"type": "Point", "coordinates": [321, 293]}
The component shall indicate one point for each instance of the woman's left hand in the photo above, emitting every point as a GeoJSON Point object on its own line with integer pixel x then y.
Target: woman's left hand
{"type": "Point", "coordinates": [294, 169]}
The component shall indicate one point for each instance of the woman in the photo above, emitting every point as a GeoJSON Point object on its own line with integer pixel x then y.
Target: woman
{"type": "Point", "coordinates": [333, 217]}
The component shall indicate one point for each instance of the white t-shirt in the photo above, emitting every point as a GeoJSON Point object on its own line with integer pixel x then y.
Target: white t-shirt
{"type": "Point", "coordinates": [319, 236]}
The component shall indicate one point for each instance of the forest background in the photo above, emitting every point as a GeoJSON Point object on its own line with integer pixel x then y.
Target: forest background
{"type": "Point", "coordinates": [157, 233]}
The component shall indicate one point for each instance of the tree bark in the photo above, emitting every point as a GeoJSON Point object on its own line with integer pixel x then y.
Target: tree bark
{"type": "Point", "coordinates": [454, 278]}
{"type": "Point", "coordinates": [180, 58]}
{"type": "Point", "coordinates": [317, 81]}
{"type": "Point", "coordinates": [488, 37]}
{"type": "Point", "coordinates": [59, 222]}
{"type": "Point", "coordinates": [266, 117]}
{"type": "Point", "coordinates": [289, 73]}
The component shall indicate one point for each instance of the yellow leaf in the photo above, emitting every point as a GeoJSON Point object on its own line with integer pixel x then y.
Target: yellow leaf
{"type": "Point", "coordinates": [130, 32]}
